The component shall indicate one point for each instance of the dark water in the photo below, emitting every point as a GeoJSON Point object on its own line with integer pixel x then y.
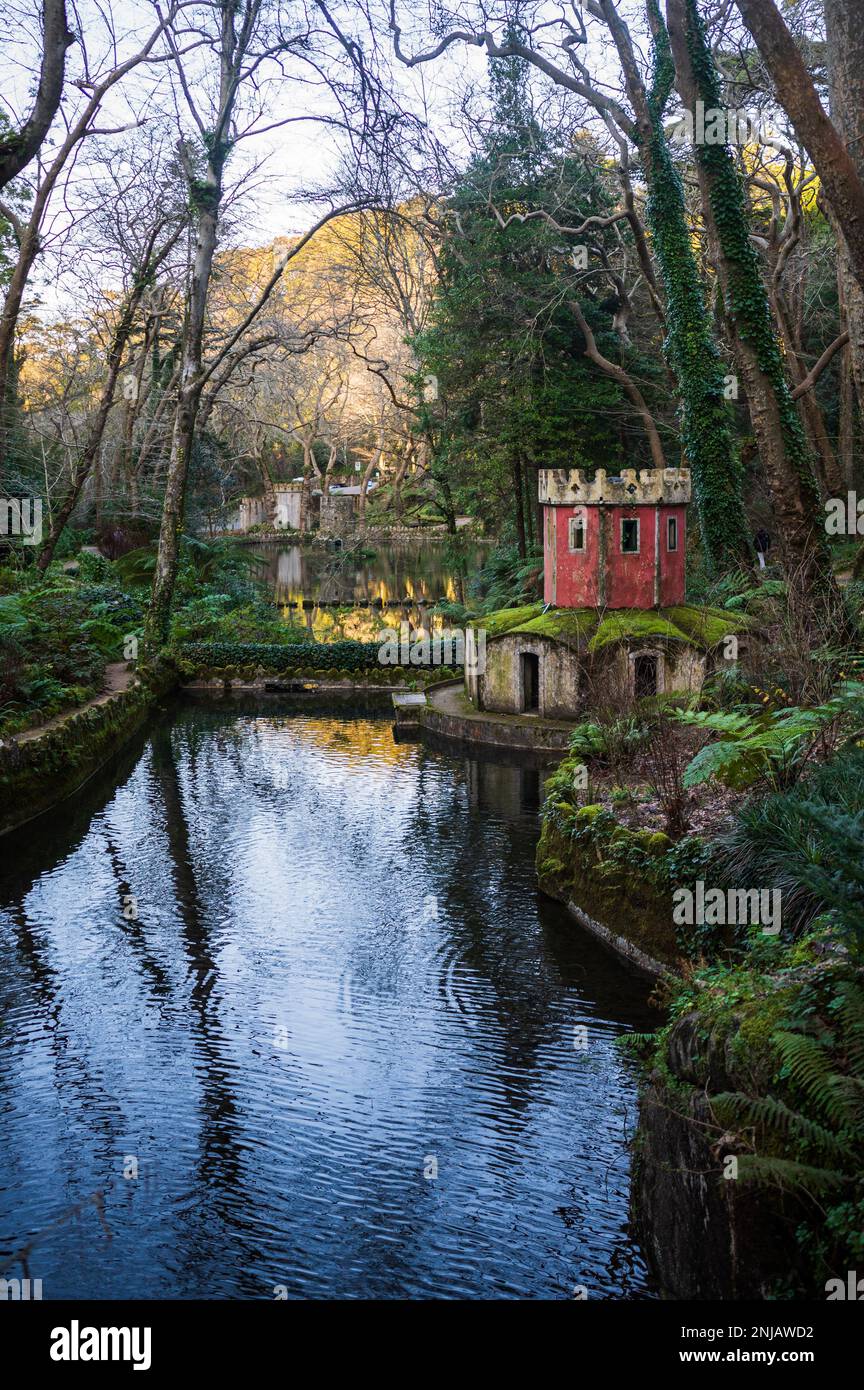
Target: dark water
{"type": "Point", "coordinates": [339, 981]}
{"type": "Point", "coordinates": [393, 580]}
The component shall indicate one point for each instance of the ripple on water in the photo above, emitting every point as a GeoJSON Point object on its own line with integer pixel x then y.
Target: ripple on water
{"type": "Point", "coordinates": [288, 997]}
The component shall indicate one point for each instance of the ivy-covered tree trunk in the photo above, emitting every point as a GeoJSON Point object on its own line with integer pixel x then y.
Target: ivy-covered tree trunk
{"type": "Point", "coordinates": [844, 47]}
{"type": "Point", "coordinates": [707, 437]}
{"type": "Point", "coordinates": [206, 195]}
{"type": "Point", "coordinates": [776, 424]}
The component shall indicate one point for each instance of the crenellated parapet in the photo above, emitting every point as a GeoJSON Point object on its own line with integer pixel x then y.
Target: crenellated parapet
{"type": "Point", "coordinates": [574, 487]}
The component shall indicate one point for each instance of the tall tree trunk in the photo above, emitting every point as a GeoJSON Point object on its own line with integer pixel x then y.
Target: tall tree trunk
{"type": "Point", "coordinates": [399, 477]}
{"type": "Point", "coordinates": [844, 46]}
{"type": "Point", "coordinates": [707, 435]}
{"type": "Point", "coordinates": [269, 488]}
{"type": "Point", "coordinates": [776, 425]}
{"type": "Point", "coordinates": [373, 463]}
{"type": "Point", "coordinates": [809, 408]}
{"type": "Point", "coordinates": [797, 95]}
{"type": "Point", "coordinates": [846, 432]}
{"type": "Point", "coordinates": [206, 198]}
{"type": "Point", "coordinates": [19, 146]}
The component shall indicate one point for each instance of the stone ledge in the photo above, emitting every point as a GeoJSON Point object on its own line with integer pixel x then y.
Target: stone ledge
{"type": "Point", "coordinates": [495, 730]}
{"type": "Point", "coordinates": [647, 964]}
{"type": "Point", "coordinates": [40, 771]}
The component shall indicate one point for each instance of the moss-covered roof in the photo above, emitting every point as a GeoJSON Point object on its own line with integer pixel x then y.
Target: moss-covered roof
{"type": "Point", "coordinates": [495, 624]}
{"type": "Point", "coordinates": [706, 626]}
{"type": "Point", "coordinates": [562, 624]}
{"type": "Point", "coordinates": [634, 624]}
{"type": "Point", "coordinates": [701, 626]}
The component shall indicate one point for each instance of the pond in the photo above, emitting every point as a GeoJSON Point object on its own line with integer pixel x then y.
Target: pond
{"type": "Point", "coordinates": [355, 594]}
{"type": "Point", "coordinates": [283, 1014]}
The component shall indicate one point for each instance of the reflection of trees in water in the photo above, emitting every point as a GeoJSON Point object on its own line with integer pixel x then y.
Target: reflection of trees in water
{"type": "Point", "coordinates": [218, 1163]}
{"type": "Point", "coordinates": [395, 574]}
{"type": "Point", "coordinates": [480, 820]}
{"type": "Point", "coordinates": [460, 828]}
{"type": "Point", "coordinates": [85, 1099]}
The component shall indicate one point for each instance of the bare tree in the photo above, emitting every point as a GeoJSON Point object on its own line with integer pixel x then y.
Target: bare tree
{"type": "Point", "coordinates": [17, 147]}
{"type": "Point", "coordinates": [28, 232]}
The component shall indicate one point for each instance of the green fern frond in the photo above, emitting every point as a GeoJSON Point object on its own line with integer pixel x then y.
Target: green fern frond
{"type": "Point", "coordinates": [851, 1015]}
{"type": "Point", "coordinates": [811, 1068]}
{"type": "Point", "coordinates": [775, 1117]}
{"type": "Point", "coordinates": [789, 1174]}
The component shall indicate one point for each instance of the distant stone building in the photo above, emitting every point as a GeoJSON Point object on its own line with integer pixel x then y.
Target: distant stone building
{"type": "Point", "coordinates": [336, 512]}
{"type": "Point", "coordinates": [289, 501]}
{"type": "Point", "coordinates": [340, 510]}
{"type": "Point", "coordinates": [281, 512]}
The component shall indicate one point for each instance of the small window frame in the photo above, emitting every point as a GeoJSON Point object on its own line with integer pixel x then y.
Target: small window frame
{"type": "Point", "coordinates": [576, 525]}
{"type": "Point", "coordinates": [630, 549]}
{"type": "Point", "coordinates": [671, 534]}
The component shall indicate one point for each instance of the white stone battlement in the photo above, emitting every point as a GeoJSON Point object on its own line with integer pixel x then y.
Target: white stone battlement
{"type": "Point", "coordinates": [572, 487]}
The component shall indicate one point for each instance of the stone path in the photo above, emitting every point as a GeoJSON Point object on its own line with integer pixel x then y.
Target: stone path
{"type": "Point", "coordinates": [118, 677]}
{"type": "Point", "coordinates": [451, 699]}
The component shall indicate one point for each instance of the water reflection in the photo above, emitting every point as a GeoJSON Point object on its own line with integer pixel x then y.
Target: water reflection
{"type": "Point", "coordinates": [337, 978]}
{"type": "Point", "coordinates": [396, 584]}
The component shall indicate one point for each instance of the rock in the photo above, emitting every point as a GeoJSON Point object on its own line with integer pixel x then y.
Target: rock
{"type": "Point", "coordinates": [705, 1235]}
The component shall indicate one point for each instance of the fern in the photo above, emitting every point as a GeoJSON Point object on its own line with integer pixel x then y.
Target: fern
{"type": "Point", "coordinates": [770, 1114]}
{"type": "Point", "coordinates": [816, 1149]}
{"type": "Point", "coordinates": [850, 1010]}
{"type": "Point", "coordinates": [790, 1174]}
{"type": "Point", "coordinates": [771, 745]}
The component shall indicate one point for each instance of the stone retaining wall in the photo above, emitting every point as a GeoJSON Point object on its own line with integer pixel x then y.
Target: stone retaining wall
{"type": "Point", "coordinates": [38, 772]}
{"type": "Point", "coordinates": [493, 733]}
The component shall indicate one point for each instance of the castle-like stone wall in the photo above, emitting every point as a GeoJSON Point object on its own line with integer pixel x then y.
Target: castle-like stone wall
{"type": "Point", "coordinates": [573, 487]}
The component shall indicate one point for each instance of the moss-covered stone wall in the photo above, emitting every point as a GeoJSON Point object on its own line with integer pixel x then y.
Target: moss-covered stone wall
{"type": "Point", "coordinates": [38, 772]}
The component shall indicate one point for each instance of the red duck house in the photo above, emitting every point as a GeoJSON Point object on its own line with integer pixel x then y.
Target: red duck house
{"type": "Point", "coordinates": [614, 541]}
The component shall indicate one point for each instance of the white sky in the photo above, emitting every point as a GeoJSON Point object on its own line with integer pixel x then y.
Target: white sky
{"type": "Point", "coordinates": [295, 157]}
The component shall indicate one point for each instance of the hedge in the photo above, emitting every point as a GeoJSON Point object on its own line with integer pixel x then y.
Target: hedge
{"type": "Point", "coordinates": [318, 656]}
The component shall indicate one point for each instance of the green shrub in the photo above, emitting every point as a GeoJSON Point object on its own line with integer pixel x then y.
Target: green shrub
{"type": "Point", "coordinates": [301, 657]}
{"type": "Point", "coordinates": [806, 842]}
{"type": "Point", "coordinates": [219, 618]}
{"type": "Point", "coordinates": [53, 651]}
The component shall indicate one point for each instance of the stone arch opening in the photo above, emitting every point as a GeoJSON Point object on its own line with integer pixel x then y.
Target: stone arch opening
{"type": "Point", "coordinates": [530, 670]}
{"type": "Point", "coordinates": [645, 675]}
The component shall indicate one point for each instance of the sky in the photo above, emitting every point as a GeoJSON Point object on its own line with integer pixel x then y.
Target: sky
{"type": "Point", "coordinates": [289, 159]}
